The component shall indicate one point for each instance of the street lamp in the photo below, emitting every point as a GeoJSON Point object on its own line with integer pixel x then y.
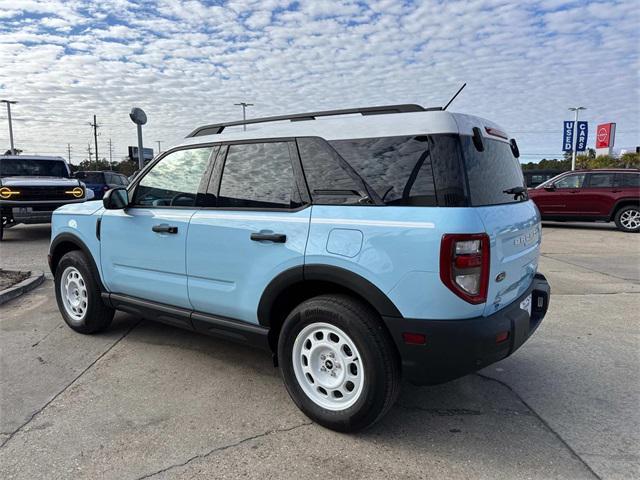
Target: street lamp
{"type": "Point", "coordinates": [9, 102]}
{"type": "Point", "coordinates": [575, 135]}
{"type": "Point", "coordinates": [244, 115]}
{"type": "Point", "coordinates": [138, 117]}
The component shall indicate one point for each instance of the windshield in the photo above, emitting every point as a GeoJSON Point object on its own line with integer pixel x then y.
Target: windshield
{"type": "Point", "coordinates": [26, 167]}
{"type": "Point", "coordinates": [91, 177]}
{"type": "Point", "coordinates": [492, 173]}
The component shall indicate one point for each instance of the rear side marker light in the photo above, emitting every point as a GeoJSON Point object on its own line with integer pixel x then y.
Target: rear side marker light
{"type": "Point", "coordinates": [502, 337]}
{"type": "Point", "coordinates": [464, 265]}
{"type": "Point", "coordinates": [414, 338]}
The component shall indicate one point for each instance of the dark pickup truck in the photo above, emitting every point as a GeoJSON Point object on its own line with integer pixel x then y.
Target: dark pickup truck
{"type": "Point", "coordinates": [32, 187]}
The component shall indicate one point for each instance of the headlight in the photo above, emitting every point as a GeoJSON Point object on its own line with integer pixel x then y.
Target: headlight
{"type": "Point", "coordinates": [6, 192]}
{"type": "Point", "coordinates": [77, 192]}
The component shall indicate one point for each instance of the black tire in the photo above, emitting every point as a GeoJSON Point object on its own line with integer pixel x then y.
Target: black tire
{"type": "Point", "coordinates": [381, 368]}
{"type": "Point", "coordinates": [622, 222]}
{"type": "Point", "coordinates": [97, 316]}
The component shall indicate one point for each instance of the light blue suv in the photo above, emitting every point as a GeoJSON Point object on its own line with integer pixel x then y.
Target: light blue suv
{"type": "Point", "coordinates": [358, 246]}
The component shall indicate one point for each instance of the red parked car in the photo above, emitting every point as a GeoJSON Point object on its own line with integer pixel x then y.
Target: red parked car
{"type": "Point", "coordinates": [601, 195]}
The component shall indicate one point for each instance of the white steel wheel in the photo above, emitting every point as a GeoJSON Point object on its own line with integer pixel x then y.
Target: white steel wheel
{"type": "Point", "coordinates": [73, 292]}
{"type": "Point", "coordinates": [630, 219]}
{"type": "Point", "coordinates": [328, 366]}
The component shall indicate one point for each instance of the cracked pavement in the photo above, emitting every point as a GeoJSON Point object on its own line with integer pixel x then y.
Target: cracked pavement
{"type": "Point", "coordinates": [146, 400]}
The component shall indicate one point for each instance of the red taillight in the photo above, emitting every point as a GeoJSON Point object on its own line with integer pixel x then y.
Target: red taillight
{"type": "Point", "coordinates": [414, 338]}
{"type": "Point", "coordinates": [464, 265]}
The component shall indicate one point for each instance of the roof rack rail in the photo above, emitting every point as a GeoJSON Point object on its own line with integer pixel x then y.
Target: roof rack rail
{"type": "Point", "coordinates": [298, 117]}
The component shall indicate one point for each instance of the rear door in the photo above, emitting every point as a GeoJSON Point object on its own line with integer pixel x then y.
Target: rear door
{"type": "Point", "coordinates": [597, 197]}
{"type": "Point", "coordinates": [143, 246]}
{"type": "Point", "coordinates": [256, 229]}
{"type": "Point", "coordinates": [512, 222]}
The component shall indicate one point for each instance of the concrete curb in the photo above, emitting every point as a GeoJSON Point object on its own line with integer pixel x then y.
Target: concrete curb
{"type": "Point", "coordinates": [35, 278]}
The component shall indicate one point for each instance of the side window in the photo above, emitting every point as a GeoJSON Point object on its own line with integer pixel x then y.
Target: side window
{"type": "Point", "coordinates": [258, 175]}
{"type": "Point", "coordinates": [174, 180]}
{"type": "Point", "coordinates": [398, 168]}
{"type": "Point", "coordinates": [123, 180]}
{"type": "Point", "coordinates": [601, 180]}
{"type": "Point", "coordinates": [628, 180]}
{"type": "Point", "coordinates": [109, 178]}
{"type": "Point", "coordinates": [326, 174]}
{"type": "Point", "coordinates": [571, 181]}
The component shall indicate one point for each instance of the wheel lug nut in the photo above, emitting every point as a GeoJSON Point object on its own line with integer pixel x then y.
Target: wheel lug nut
{"type": "Point", "coordinates": [323, 356]}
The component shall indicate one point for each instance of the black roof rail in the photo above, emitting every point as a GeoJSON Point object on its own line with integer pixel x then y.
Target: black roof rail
{"type": "Point", "coordinates": [298, 117]}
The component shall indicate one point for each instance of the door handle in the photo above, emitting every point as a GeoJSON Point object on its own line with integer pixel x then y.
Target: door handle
{"type": "Point", "coordinates": [164, 228]}
{"type": "Point", "coordinates": [272, 237]}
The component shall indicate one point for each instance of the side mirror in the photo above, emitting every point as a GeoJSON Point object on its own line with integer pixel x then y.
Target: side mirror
{"type": "Point", "coordinates": [116, 199]}
{"type": "Point", "coordinates": [550, 188]}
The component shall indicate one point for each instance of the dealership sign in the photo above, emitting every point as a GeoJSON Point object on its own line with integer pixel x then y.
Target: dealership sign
{"type": "Point", "coordinates": [605, 135]}
{"type": "Point", "coordinates": [581, 140]}
{"type": "Point", "coordinates": [567, 143]}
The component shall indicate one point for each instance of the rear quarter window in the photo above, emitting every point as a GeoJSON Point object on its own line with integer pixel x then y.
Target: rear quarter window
{"type": "Point", "coordinates": [397, 168]}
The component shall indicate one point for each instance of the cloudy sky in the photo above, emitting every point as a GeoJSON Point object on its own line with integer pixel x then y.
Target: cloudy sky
{"type": "Point", "coordinates": [187, 62]}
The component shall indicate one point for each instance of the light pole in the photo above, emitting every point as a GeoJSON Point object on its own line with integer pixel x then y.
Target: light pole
{"type": "Point", "coordinates": [138, 117]}
{"type": "Point", "coordinates": [244, 105]}
{"type": "Point", "coordinates": [9, 102]}
{"type": "Point", "coordinates": [575, 136]}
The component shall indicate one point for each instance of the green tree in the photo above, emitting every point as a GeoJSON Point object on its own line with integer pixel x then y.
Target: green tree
{"type": "Point", "coordinates": [630, 160]}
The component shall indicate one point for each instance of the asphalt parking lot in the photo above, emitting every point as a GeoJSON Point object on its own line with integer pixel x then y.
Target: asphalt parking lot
{"type": "Point", "coordinates": [150, 401]}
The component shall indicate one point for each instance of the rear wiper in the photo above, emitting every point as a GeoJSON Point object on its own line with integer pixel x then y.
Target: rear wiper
{"type": "Point", "coordinates": [517, 192]}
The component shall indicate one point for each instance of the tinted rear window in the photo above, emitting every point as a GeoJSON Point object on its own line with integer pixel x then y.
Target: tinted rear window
{"type": "Point", "coordinates": [491, 172]}
{"type": "Point", "coordinates": [629, 180]}
{"type": "Point", "coordinates": [25, 167]}
{"type": "Point", "coordinates": [397, 168]}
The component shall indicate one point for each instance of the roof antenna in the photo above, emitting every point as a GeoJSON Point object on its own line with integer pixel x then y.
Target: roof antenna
{"type": "Point", "coordinates": [454, 97]}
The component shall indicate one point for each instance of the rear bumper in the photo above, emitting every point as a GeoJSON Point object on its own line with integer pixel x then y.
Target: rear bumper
{"type": "Point", "coordinates": [455, 348]}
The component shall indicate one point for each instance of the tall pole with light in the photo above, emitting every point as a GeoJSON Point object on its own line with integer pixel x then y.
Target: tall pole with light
{"type": "Point", "coordinates": [138, 117]}
{"type": "Point", "coordinates": [244, 105]}
{"type": "Point", "coordinates": [575, 135]}
{"type": "Point", "coordinates": [9, 102]}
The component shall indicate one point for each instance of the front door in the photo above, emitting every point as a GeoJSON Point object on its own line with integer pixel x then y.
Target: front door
{"type": "Point", "coordinates": [257, 230]}
{"type": "Point", "coordinates": [564, 198]}
{"type": "Point", "coordinates": [143, 246]}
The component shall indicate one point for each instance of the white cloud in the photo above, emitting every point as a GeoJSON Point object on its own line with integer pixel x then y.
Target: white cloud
{"type": "Point", "coordinates": [187, 62]}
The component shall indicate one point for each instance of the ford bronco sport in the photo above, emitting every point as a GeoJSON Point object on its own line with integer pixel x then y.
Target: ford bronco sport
{"type": "Point", "coordinates": [32, 187]}
{"type": "Point", "coordinates": [358, 246]}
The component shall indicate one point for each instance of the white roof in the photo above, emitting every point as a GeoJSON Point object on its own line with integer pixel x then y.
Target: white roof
{"type": "Point", "coordinates": [356, 126]}
{"type": "Point", "coordinates": [33, 157]}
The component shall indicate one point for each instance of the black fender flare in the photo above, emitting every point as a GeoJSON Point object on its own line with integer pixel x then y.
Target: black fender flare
{"type": "Point", "coordinates": [326, 273]}
{"type": "Point", "coordinates": [70, 238]}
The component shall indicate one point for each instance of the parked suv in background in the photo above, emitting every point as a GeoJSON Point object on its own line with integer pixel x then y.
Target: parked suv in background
{"type": "Point", "coordinates": [603, 195]}
{"type": "Point", "coordinates": [356, 249]}
{"type": "Point", "coordinates": [32, 187]}
{"type": "Point", "coordinates": [100, 182]}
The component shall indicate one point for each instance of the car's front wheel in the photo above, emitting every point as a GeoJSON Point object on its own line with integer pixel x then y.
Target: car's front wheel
{"type": "Point", "coordinates": [78, 295]}
{"type": "Point", "coordinates": [628, 219]}
{"type": "Point", "coordinates": [338, 362]}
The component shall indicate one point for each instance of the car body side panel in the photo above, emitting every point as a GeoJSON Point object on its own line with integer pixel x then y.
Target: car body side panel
{"type": "Point", "coordinates": [399, 252]}
{"type": "Point", "coordinates": [79, 220]}
{"type": "Point", "coordinates": [227, 271]}
{"type": "Point", "coordinates": [139, 262]}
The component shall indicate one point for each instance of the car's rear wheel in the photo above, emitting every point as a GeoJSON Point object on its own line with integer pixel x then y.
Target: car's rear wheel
{"type": "Point", "coordinates": [78, 295]}
{"type": "Point", "coordinates": [628, 219]}
{"type": "Point", "coordinates": [338, 362]}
